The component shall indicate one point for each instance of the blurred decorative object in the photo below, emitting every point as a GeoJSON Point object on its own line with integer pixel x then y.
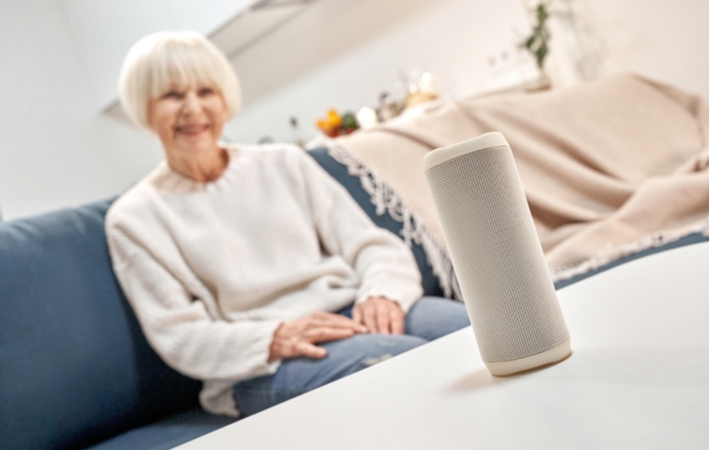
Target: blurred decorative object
{"type": "Point", "coordinates": [578, 53]}
{"type": "Point", "coordinates": [265, 140]}
{"type": "Point", "coordinates": [334, 124]}
{"type": "Point", "coordinates": [388, 107]}
{"type": "Point", "coordinates": [537, 43]}
{"type": "Point", "coordinates": [366, 117]}
{"type": "Point", "coordinates": [421, 88]}
{"type": "Point", "coordinates": [296, 132]}
{"type": "Point", "coordinates": [349, 123]}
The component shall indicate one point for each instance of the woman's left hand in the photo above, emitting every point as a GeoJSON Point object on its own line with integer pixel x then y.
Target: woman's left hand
{"type": "Point", "coordinates": [380, 315]}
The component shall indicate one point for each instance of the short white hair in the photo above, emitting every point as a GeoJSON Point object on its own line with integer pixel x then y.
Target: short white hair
{"type": "Point", "coordinates": [161, 61]}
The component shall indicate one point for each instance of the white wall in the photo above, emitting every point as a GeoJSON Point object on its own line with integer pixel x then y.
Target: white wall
{"type": "Point", "coordinates": [103, 31]}
{"type": "Point", "coordinates": [56, 148]}
{"type": "Point", "coordinates": [342, 54]}
{"type": "Point", "coordinates": [667, 40]}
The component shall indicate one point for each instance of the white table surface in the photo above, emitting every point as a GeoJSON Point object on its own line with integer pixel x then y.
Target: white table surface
{"type": "Point", "coordinates": [637, 379]}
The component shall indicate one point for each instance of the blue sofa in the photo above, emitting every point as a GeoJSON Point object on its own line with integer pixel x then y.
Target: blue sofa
{"type": "Point", "coordinates": [75, 368]}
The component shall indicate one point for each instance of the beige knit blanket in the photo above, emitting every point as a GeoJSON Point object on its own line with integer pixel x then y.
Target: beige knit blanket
{"type": "Point", "coordinates": [609, 168]}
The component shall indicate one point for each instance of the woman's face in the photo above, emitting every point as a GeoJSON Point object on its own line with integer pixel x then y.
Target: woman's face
{"type": "Point", "coordinates": [189, 121]}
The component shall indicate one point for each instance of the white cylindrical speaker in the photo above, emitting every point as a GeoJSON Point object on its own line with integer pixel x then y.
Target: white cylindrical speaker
{"type": "Point", "coordinates": [497, 256]}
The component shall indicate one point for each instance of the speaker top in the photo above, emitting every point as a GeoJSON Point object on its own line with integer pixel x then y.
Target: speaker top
{"type": "Point", "coordinates": [441, 155]}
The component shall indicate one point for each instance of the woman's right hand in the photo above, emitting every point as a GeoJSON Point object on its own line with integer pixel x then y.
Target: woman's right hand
{"type": "Point", "coordinates": [298, 337]}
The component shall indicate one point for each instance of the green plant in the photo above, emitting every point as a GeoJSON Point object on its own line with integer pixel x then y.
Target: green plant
{"type": "Point", "coordinates": [537, 42]}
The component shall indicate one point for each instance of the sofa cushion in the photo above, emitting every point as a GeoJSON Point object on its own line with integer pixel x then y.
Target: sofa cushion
{"type": "Point", "coordinates": [74, 365]}
{"type": "Point", "coordinates": [167, 433]}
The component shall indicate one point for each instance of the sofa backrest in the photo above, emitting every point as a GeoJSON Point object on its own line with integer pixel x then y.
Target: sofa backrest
{"type": "Point", "coordinates": [353, 184]}
{"type": "Point", "coordinates": [75, 368]}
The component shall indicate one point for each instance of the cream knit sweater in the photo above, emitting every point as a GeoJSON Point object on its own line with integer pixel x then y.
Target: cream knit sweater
{"type": "Point", "coordinates": [211, 270]}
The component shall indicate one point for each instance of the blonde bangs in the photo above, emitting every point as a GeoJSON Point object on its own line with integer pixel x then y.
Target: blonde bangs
{"type": "Point", "coordinates": [175, 60]}
{"type": "Point", "coordinates": [181, 68]}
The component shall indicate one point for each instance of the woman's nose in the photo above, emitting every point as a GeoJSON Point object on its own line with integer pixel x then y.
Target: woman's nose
{"type": "Point", "coordinates": [192, 102]}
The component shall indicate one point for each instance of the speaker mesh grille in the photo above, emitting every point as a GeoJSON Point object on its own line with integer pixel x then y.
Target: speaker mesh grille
{"type": "Point", "coordinates": [497, 255]}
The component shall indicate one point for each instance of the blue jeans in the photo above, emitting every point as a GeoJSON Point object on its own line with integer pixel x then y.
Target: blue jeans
{"type": "Point", "coordinates": [428, 319]}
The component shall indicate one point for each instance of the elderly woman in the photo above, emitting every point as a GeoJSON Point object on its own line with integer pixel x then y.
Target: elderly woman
{"type": "Point", "coordinates": [248, 267]}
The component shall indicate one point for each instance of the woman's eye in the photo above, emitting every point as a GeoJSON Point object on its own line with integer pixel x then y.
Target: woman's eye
{"type": "Point", "coordinates": [206, 91]}
{"type": "Point", "coordinates": [173, 94]}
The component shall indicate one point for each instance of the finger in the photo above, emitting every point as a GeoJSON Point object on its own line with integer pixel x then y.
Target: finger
{"type": "Point", "coordinates": [396, 318]}
{"type": "Point", "coordinates": [368, 316]}
{"type": "Point", "coordinates": [322, 315]}
{"type": "Point", "coordinates": [303, 348]}
{"type": "Point", "coordinates": [357, 316]}
{"type": "Point", "coordinates": [397, 321]}
{"type": "Point", "coordinates": [350, 325]}
{"type": "Point", "coordinates": [336, 321]}
{"type": "Point", "coordinates": [358, 320]}
{"type": "Point", "coordinates": [383, 318]}
{"type": "Point", "coordinates": [325, 334]}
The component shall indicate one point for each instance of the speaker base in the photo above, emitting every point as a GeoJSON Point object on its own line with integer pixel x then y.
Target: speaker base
{"type": "Point", "coordinates": [555, 354]}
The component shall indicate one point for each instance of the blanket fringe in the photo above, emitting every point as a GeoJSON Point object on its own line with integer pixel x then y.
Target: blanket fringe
{"type": "Point", "coordinates": [612, 253]}
{"type": "Point", "coordinates": [414, 230]}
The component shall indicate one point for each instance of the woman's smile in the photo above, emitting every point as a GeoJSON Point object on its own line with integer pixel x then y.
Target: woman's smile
{"type": "Point", "coordinates": [192, 129]}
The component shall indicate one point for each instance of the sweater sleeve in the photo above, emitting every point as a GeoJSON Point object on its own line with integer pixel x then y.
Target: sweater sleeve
{"type": "Point", "coordinates": [178, 326]}
{"type": "Point", "coordinates": [384, 264]}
